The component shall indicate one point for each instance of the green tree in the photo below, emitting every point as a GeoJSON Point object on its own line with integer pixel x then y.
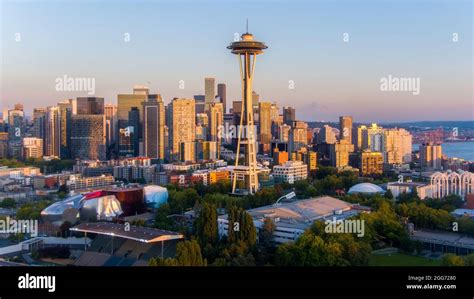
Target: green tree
{"type": "Point", "coordinates": [8, 203]}
{"type": "Point", "coordinates": [266, 233]}
{"type": "Point", "coordinates": [388, 194]}
{"type": "Point", "coordinates": [206, 225]}
{"type": "Point", "coordinates": [241, 227]}
{"type": "Point", "coordinates": [188, 253]}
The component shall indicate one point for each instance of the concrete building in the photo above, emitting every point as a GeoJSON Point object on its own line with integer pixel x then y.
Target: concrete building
{"type": "Point", "coordinates": [431, 155]}
{"type": "Point", "coordinates": [293, 218]}
{"type": "Point", "coordinates": [52, 138]}
{"type": "Point", "coordinates": [339, 153]}
{"type": "Point", "coordinates": [423, 190]}
{"type": "Point", "coordinates": [88, 137]}
{"type": "Point", "coordinates": [345, 128]}
{"type": "Point", "coordinates": [370, 163]}
{"type": "Point", "coordinates": [183, 126]}
{"type": "Point", "coordinates": [289, 115]}
{"type": "Point", "coordinates": [209, 92]}
{"type": "Point", "coordinates": [222, 93]}
{"type": "Point", "coordinates": [32, 147]}
{"type": "Point", "coordinates": [290, 171]}
{"type": "Point", "coordinates": [153, 128]}
{"type": "Point", "coordinates": [396, 146]}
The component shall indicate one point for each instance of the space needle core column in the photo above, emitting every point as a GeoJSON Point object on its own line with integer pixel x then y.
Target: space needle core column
{"type": "Point", "coordinates": [247, 50]}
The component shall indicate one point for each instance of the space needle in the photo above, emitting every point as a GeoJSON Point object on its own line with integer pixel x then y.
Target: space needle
{"type": "Point", "coordinates": [246, 50]}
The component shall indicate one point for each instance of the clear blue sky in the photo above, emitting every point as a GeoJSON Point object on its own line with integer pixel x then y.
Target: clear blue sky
{"type": "Point", "coordinates": [186, 40]}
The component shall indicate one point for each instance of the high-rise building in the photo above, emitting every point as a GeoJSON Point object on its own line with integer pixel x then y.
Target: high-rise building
{"type": "Point", "coordinates": [206, 150]}
{"type": "Point", "coordinates": [89, 105]}
{"type": "Point", "coordinates": [32, 147]}
{"type": "Point", "coordinates": [326, 135]}
{"type": "Point", "coordinates": [52, 138]}
{"type": "Point", "coordinates": [15, 125]}
{"type": "Point", "coordinates": [289, 115]}
{"type": "Point", "coordinates": [183, 126]}
{"type": "Point", "coordinates": [216, 121]}
{"type": "Point", "coordinates": [38, 120]}
{"type": "Point", "coordinates": [111, 123]}
{"type": "Point", "coordinates": [396, 146]}
{"type": "Point", "coordinates": [222, 93]}
{"type": "Point", "coordinates": [3, 144]}
{"type": "Point", "coordinates": [431, 155]}
{"type": "Point", "coordinates": [125, 103]}
{"type": "Point", "coordinates": [298, 136]}
{"type": "Point", "coordinates": [345, 128]}
{"type": "Point", "coordinates": [187, 152]}
{"type": "Point", "coordinates": [154, 125]}
{"type": "Point", "coordinates": [284, 135]}
{"type": "Point", "coordinates": [371, 138]}
{"type": "Point", "coordinates": [265, 124]}
{"type": "Point", "coordinates": [339, 153]}
{"type": "Point", "coordinates": [370, 163]}
{"type": "Point", "coordinates": [200, 101]}
{"type": "Point", "coordinates": [65, 114]}
{"type": "Point", "coordinates": [209, 91]}
{"type": "Point", "coordinates": [255, 99]}
{"type": "Point", "coordinates": [310, 159]}
{"type": "Point", "coordinates": [88, 136]}
{"type": "Point", "coordinates": [18, 106]}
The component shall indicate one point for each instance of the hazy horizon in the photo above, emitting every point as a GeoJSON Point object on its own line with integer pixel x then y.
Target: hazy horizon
{"type": "Point", "coordinates": [186, 40]}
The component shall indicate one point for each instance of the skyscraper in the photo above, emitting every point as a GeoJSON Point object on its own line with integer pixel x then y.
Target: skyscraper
{"type": "Point", "coordinates": [430, 155]}
{"type": "Point", "coordinates": [39, 116]}
{"type": "Point", "coordinates": [183, 126]}
{"type": "Point", "coordinates": [298, 136]}
{"type": "Point", "coordinates": [371, 138]}
{"type": "Point", "coordinates": [125, 103]}
{"type": "Point", "coordinates": [154, 125]}
{"type": "Point", "coordinates": [65, 114]}
{"type": "Point", "coordinates": [345, 128]}
{"type": "Point", "coordinates": [339, 153]}
{"type": "Point", "coordinates": [52, 136]}
{"type": "Point", "coordinates": [89, 105]}
{"type": "Point", "coordinates": [88, 136]}
{"type": "Point", "coordinates": [396, 146]}
{"type": "Point", "coordinates": [209, 91]}
{"type": "Point", "coordinates": [265, 124]}
{"type": "Point", "coordinates": [222, 93]}
{"type": "Point", "coordinates": [216, 120]}
{"type": "Point", "coordinates": [326, 135]}
{"type": "Point", "coordinates": [247, 50]}
{"type": "Point", "coordinates": [111, 123]}
{"type": "Point", "coordinates": [289, 115]}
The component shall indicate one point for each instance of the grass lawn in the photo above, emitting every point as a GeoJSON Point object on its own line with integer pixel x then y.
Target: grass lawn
{"type": "Point", "coordinates": [399, 259]}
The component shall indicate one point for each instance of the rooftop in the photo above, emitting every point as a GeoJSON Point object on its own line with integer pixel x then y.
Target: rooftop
{"type": "Point", "coordinates": [302, 213]}
{"type": "Point", "coordinates": [136, 233]}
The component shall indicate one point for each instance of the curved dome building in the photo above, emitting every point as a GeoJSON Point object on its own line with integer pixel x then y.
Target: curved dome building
{"type": "Point", "coordinates": [63, 210]}
{"type": "Point", "coordinates": [155, 196]}
{"type": "Point", "coordinates": [366, 188]}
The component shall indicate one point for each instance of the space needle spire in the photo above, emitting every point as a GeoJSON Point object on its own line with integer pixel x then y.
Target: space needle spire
{"type": "Point", "coordinates": [246, 50]}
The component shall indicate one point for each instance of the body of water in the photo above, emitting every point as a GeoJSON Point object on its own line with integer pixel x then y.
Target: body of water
{"type": "Point", "coordinates": [463, 150]}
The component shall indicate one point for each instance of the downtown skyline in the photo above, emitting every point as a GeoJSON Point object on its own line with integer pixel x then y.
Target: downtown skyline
{"type": "Point", "coordinates": [331, 77]}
